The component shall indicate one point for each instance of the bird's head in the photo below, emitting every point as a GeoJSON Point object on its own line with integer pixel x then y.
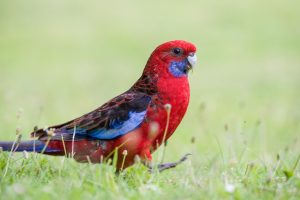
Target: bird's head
{"type": "Point", "coordinates": [175, 58]}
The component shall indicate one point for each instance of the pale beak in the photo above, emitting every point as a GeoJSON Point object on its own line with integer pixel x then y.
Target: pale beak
{"type": "Point", "coordinates": [192, 59]}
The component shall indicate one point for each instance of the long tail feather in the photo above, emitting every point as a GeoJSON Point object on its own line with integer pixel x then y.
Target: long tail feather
{"type": "Point", "coordinates": [30, 146]}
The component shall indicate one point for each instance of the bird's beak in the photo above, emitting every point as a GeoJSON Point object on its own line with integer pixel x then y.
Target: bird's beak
{"type": "Point", "coordinates": [192, 60]}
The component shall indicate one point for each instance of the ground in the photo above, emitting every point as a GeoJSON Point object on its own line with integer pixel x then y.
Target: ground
{"type": "Point", "coordinates": [60, 59]}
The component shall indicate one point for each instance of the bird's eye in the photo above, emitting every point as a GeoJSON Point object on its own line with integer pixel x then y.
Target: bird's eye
{"type": "Point", "coordinates": [177, 51]}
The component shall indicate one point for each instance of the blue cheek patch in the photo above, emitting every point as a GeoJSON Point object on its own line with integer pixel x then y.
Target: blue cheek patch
{"type": "Point", "coordinates": [178, 68]}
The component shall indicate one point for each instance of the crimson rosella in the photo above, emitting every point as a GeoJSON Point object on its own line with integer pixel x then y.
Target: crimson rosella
{"type": "Point", "coordinates": [133, 124]}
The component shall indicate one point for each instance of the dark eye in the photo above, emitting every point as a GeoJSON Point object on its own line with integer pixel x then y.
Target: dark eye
{"type": "Point", "coordinates": [177, 51]}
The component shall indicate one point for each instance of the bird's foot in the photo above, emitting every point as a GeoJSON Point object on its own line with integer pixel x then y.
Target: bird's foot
{"type": "Point", "coordinates": [164, 166]}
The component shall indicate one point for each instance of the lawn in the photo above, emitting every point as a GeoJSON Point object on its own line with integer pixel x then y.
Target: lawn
{"type": "Point", "coordinates": [60, 59]}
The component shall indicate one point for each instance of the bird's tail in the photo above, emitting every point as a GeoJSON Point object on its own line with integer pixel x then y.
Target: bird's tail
{"type": "Point", "coordinates": [30, 146]}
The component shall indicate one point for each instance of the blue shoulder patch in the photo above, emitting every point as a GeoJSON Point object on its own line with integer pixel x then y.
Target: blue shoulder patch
{"type": "Point", "coordinates": [118, 128]}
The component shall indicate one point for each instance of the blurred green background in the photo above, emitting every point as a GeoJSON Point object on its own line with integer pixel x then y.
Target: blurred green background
{"type": "Point", "coordinates": [60, 59]}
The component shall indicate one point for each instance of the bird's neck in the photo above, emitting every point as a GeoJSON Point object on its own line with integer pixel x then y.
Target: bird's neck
{"type": "Point", "coordinates": [176, 92]}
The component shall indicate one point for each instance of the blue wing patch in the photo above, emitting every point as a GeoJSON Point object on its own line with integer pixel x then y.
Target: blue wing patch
{"type": "Point", "coordinates": [119, 128]}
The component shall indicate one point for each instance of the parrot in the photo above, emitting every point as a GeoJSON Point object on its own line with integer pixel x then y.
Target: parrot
{"type": "Point", "coordinates": [130, 126]}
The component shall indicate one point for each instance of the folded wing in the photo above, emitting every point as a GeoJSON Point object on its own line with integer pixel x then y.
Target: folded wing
{"type": "Point", "coordinates": [117, 117]}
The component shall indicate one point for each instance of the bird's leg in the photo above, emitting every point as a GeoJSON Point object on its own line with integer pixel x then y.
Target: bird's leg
{"type": "Point", "coordinates": [164, 166]}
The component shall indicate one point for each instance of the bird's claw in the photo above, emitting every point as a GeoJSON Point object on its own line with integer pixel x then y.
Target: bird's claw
{"type": "Point", "coordinates": [164, 166]}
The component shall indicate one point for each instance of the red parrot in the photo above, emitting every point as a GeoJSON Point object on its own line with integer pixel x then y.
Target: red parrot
{"type": "Point", "coordinates": [134, 123]}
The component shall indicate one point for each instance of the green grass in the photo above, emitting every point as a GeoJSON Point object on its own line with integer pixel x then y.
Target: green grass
{"type": "Point", "coordinates": [60, 59]}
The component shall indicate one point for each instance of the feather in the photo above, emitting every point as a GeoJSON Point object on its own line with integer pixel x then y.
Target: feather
{"type": "Point", "coordinates": [115, 118]}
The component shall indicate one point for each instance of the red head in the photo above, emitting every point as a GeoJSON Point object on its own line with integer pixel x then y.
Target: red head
{"type": "Point", "coordinates": [173, 58]}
